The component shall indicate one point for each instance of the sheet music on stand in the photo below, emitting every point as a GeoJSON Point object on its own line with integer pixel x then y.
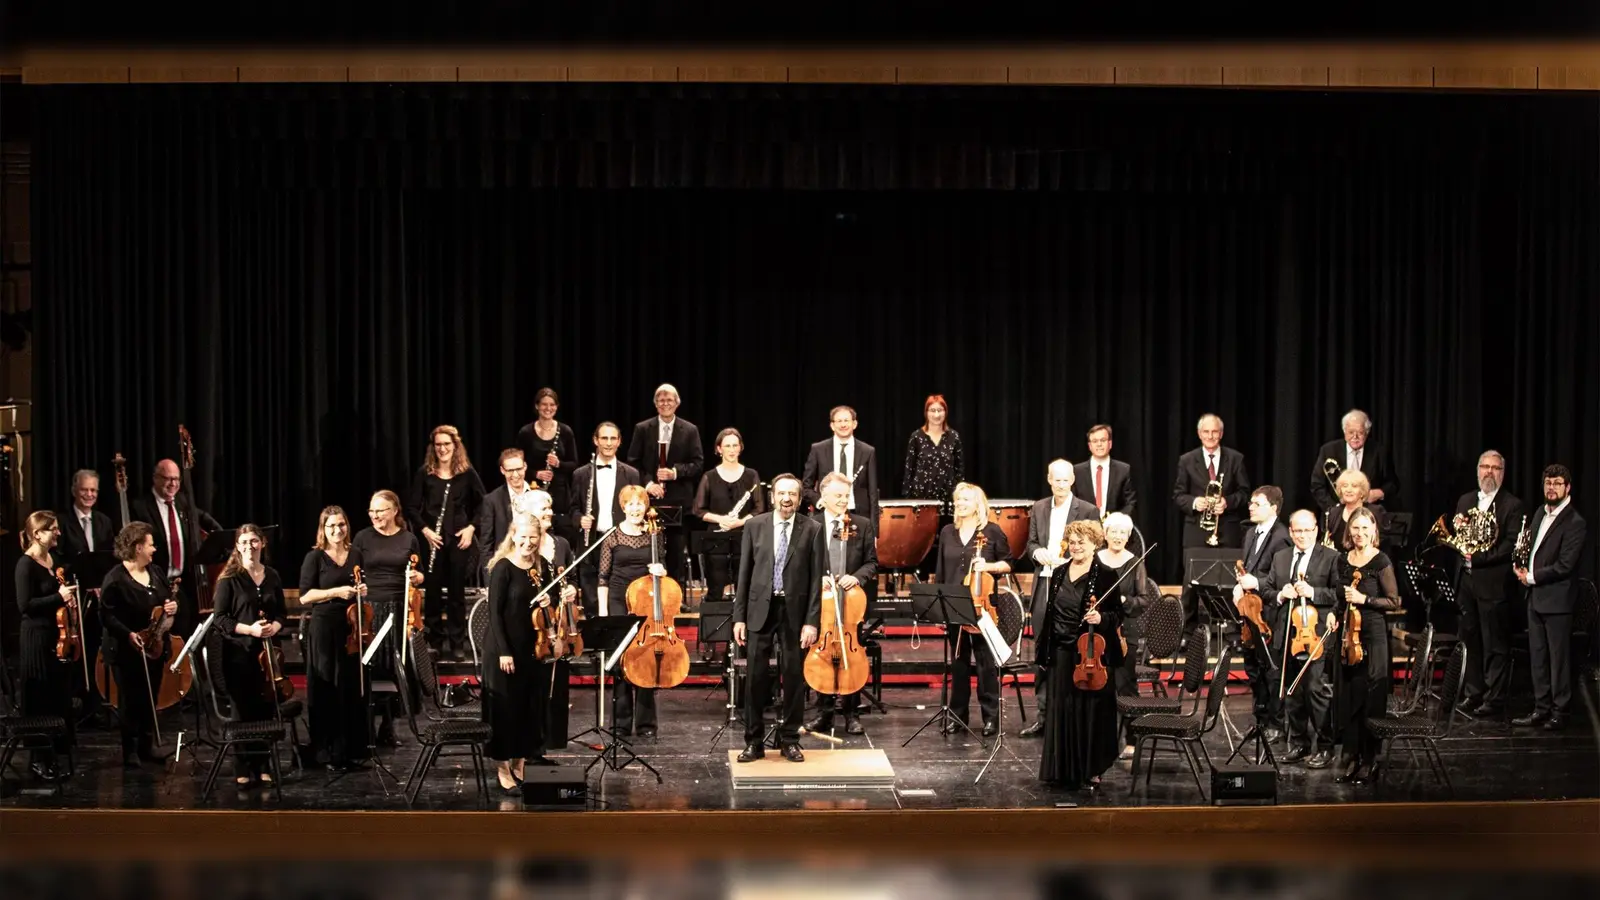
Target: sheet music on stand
{"type": "Point", "coordinates": [991, 635]}
{"type": "Point", "coordinates": [377, 639]}
{"type": "Point", "coordinates": [193, 642]}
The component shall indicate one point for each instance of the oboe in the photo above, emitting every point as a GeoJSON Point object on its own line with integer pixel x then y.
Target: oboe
{"type": "Point", "coordinates": [438, 527]}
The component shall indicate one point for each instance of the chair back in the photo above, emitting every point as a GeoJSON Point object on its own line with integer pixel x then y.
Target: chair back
{"type": "Point", "coordinates": [1455, 671]}
{"type": "Point", "coordinates": [422, 662]}
{"type": "Point", "coordinates": [1420, 678]}
{"type": "Point", "coordinates": [1162, 627]}
{"type": "Point", "coordinates": [1216, 691]}
{"type": "Point", "coordinates": [478, 633]}
{"type": "Point", "coordinates": [403, 687]}
{"type": "Point", "coordinates": [208, 672]}
{"type": "Point", "coordinates": [1195, 652]}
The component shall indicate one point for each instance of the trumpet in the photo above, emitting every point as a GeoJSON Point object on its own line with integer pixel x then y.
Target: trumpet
{"type": "Point", "coordinates": [1208, 519]}
{"type": "Point", "coordinates": [1522, 553]}
{"type": "Point", "coordinates": [1331, 470]}
{"type": "Point", "coordinates": [1475, 532]}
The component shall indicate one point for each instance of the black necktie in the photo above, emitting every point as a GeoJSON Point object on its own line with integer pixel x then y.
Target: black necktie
{"type": "Point", "coordinates": [606, 466]}
{"type": "Point", "coordinates": [1294, 568]}
{"type": "Point", "coordinates": [1255, 554]}
{"type": "Point", "coordinates": [843, 465]}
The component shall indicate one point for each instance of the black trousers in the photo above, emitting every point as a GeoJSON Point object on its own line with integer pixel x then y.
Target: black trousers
{"type": "Point", "coordinates": [443, 604]}
{"type": "Point", "coordinates": [635, 706]}
{"type": "Point", "coordinates": [965, 650]}
{"type": "Point", "coordinates": [848, 704]}
{"type": "Point", "coordinates": [245, 683]}
{"type": "Point", "coordinates": [1261, 665]}
{"type": "Point", "coordinates": [129, 667]}
{"type": "Point", "coordinates": [1307, 708]}
{"type": "Point", "coordinates": [783, 633]}
{"type": "Point", "coordinates": [1486, 632]}
{"type": "Point", "coordinates": [1550, 658]}
{"type": "Point", "coordinates": [722, 569]}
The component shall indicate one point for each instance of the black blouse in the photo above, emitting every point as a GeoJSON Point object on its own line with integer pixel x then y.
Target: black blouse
{"type": "Point", "coordinates": [718, 495]}
{"type": "Point", "coordinates": [320, 573]}
{"type": "Point", "coordinates": [125, 604]}
{"type": "Point", "coordinates": [560, 552]}
{"type": "Point", "coordinates": [1064, 615]}
{"type": "Point", "coordinates": [1378, 582]}
{"type": "Point", "coordinates": [240, 599]}
{"type": "Point", "coordinates": [932, 470]}
{"type": "Point", "coordinates": [624, 557]}
{"type": "Point", "coordinates": [37, 592]}
{"type": "Point", "coordinates": [426, 495]}
{"type": "Point", "coordinates": [535, 448]}
{"type": "Point", "coordinates": [383, 566]}
{"type": "Point", "coordinates": [510, 617]}
{"type": "Point", "coordinates": [955, 558]}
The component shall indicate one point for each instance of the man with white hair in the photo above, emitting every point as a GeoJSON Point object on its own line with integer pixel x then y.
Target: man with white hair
{"type": "Point", "coordinates": [1483, 594]}
{"type": "Point", "coordinates": [666, 450]}
{"type": "Point", "coordinates": [1197, 469]}
{"type": "Point", "coordinates": [1354, 451]}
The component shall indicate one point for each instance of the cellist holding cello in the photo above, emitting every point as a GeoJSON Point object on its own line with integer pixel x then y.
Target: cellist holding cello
{"type": "Point", "coordinates": [850, 556]}
{"type": "Point", "coordinates": [250, 612]}
{"type": "Point", "coordinates": [1080, 736]}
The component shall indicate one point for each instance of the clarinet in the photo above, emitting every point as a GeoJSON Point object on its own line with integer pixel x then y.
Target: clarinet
{"type": "Point", "coordinates": [588, 502]}
{"type": "Point", "coordinates": [438, 527]}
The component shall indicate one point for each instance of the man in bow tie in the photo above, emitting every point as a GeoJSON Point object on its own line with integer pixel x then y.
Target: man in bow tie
{"type": "Point", "coordinates": [595, 507]}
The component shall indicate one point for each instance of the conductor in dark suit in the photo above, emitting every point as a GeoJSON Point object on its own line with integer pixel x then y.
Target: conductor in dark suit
{"type": "Point", "coordinates": [596, 506]}
{"type": "Point", "coordinates": [85, 529]}
{"type": "Point", "coordinates": [1355, 451]}
{"type": "Point", "coordinates": [1199, 467]}
{"type": "Point", "coordinates": [1103, 481]}
{"type": "Point", "coordinates": [779, 602]}
{"type": "Point", "coordinates": [1047, 522]}
{"type": "Point", "coordinates": [1303, 574]}
{"type": "Point", "coordinates": [177, 538]}
{"type": "Point", "coordinates": [853, 562]}
{"type": "Point", "coordinates": [671, 484]}
{"type": "Point", "coordinates": [849, 455]}
{"type": "Point", "coordinates": [1485, 612]}
{"type": "Point", "coordinates": [1261, 545]}
{"type": "Point", "coordinates": [1557, 533]}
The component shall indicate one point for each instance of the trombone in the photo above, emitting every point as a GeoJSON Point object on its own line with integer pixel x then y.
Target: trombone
{"type": "Point", "coordinates": [1331, 470]}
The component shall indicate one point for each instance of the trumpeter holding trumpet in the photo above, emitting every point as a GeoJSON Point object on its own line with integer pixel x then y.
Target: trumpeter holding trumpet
{"type": "Point", "coordinates": [1211, 489]}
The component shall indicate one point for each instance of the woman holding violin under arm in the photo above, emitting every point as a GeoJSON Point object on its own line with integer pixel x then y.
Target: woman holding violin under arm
{"type": "Point", "coordinates": [128, 596]}
{"type": "Point", "coordinates": [1362, 685]}
{"type": "Point", "coordinates": [959, 556]}
{"type": "Point", "coordinates": [250, 613]}
{"type": "Point", "coordinates": [335, 708]}
{"type": "Point", "coordinates": [46, 680]}
{"type": "Point", "coordinates": [1080, 738]}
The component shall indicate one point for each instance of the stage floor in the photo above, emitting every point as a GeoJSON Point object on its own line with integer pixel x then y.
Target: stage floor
{"type": "Point", "coordinates": [1487, 762]}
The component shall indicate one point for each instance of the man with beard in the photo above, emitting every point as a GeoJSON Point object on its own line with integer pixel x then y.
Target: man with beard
{"type": "Point", "coordinates": [1485, 625]}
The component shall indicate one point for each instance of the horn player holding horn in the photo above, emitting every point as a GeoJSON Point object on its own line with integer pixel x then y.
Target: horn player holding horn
{"type": "Point", "coordinates": [1484, 531]}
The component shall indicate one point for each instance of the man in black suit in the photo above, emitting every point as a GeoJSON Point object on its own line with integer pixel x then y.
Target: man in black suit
{"type": "Point", "coordinates": [177, 538]}
{"type": "Point", "coordinates": [847, 454]}
{"type": "Point", "coordinates": [500, 505]}
{"type": "Point", "coordinates": [1485, 622]}
{"type": "Point", "coordinates": [1302, 575]}
{"type": "Point", "coordinates": [1199, 467]}
{"type": "Point", "coordinates": [859, 565]}
{"type": "Point", "coordinates": [779, 602]}
{"type": "Point", "coordinates": [1047, 521]}
{"type": "Point", "coordinates": [670, 483]}
{"type": "Point", "coordinates": [1261, 546]}
{"type": "Point", "coordinates": [85, 529]}
{"type": "Point", "coordinates": [1103, 481]}
{"type": "Point", "coordinates": [595, 506]}
{"type": "Point", "coordinates": [1355, 451]}
{"type": "Point", "coordinates": [1557, 533]}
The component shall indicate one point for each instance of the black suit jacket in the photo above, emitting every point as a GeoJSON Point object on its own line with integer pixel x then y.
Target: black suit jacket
{"type": "Point", "coordinates": [1039, 522]}
{"type": "Point", "coordinates": [1255, 563]}
{"type": "Point", "coordinates": [74, 543]}
{"type": "Point", "coordinates": [494, 520]}
{"type": "Point", "coordinates": [1375, 463]}
{"type": "Point", "coordinates": [821, 460]}
{"type": "Point", "coordinates": [1556, 561]}
{"type": "Point", "coordinates": [684, 453]}
{"type": "Point", "coordinates": [1491, 569]}
{"type": "Point", "coordinates": [1119, 486]}
{"type": "Point", "coordinates": [802, 573]}
{"type": "Point", "coordinates": [143, 508]}
{"type": "Point", "coordinates": [860, 553]}
{"type": "Point", "coordinates": [1191, 482]}
{"type": "Point", "coordinates": [1320, 574]}
{"type": "Point", "coordinates": [626, 475]}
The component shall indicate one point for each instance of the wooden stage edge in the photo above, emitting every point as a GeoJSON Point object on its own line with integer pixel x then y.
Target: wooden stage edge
{"type": "Point", "coordinates": [1547, 835]}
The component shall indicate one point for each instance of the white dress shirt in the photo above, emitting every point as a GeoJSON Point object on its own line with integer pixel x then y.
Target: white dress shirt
{"type": "Point", "coordinates": [666, 430]}
{"type": "Point", "coordinates": [1058, 526]}
{"type": "Point", "coordinates": [849, 470]}
{"type": "Point", "coordinates": [605, 490]}
{"type": "Point", "coordinates": [1544, 526]}
{"type": "Point", "coordinates": [1262, 531]}
{"type": "Point", "coordinates": [1487, 500]}
{"type": "Point", "coordinates": [831, 522]}
{"type": "Point", "coordinates": [1352, 457]}
{"type": "Point", "coordinates": [1212, 459]}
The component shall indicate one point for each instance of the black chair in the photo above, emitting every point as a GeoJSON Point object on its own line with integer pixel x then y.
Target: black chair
{"type": "Point", "coordinates": [1194, 673]}
{"type": "Point", "coordinates": [260, 737]}
{"type": "Point", "coordinates": [34, 733]}
{"type": "Point", "coordinates": [443, 729]}
{"type": "Point", "coordinates": [478, 634]}
{"type": "Point", "coordinates": [1162, 630]}
{"type": "Point", "coordinates": [1426, 729]}
{"type": "Point", "coordinates": [1186, 733]}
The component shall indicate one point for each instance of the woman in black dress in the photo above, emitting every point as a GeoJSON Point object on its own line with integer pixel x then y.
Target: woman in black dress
{"type": "Point", "coordinates": [1135, 593]}
{"type": "Point", "coordinates": [46, 680]}
{"type": "Point", "coordinates": [1352, 487]}
{"type": "Point", "coordinates": [958, 556]}
{"type": "Point", "coordinates": [1080, 736]}
{"type": "Point", "coordinates": [1363, 687]}
{"type": "Point", "coordinates": [250, 613]}
{"type": "Point", "coordinates": [722, 488]}
{"type": "Point", "coordinates": [516, 686]}
{"type": "Point", "coordinates": [551, 451]}
{"type": "Point", "coordinates": [128, 595]}
{"type": "Point", "coordinates": [386, 548]}
{"type": "Point", "coordinates": [335, 708]}
{"type": "Point", "coordinates": [625, 556]}
{"type": "Point", "coordinates": [443, 502]}
{"type": "Point", "coordinates": [557, 553]}
{"type": "Point", "coordinates": [934, 464]}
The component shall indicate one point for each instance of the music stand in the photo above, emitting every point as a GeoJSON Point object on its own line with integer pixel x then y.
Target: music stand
{"type": "Point", "coordinates": [189, 646]}
{"type": "Point", "coordinates": [605, 637]}
{"type": "Point", "coordinates": [379, 770]}
{"type": "Point", "coordinates": [1218, 602]}
{"type": "Point", "coordinates": [947, 605]}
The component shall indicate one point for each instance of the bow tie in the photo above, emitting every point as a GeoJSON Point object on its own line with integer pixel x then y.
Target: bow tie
{"type": "Point", "coordinates": [605, 466]}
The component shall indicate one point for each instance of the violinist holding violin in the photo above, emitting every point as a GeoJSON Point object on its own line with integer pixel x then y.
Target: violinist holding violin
{"type": "Point", "coordinates": [1080, 736]}
{"type": "Point", "coordinates": [1299, 590]}
{"type": "Point", "coordinates": [250, 613]}
{"type": "Point", "coordinates": [1261, 544]}
{"type": "Point", "coordinates": [1363, 648]}
{"type": "Point", "coordinates": [860, 568]}
{"type": "Point", "coordinates": [386, 551]}
{"type": "Point", "coordinates": [41, 597]}
{"type": "Point", "coordinates": [962, 558]}
{"type": "Point", "coordinates": [129, 596]}
{"type": "Point", "coordinates": [335, 707]}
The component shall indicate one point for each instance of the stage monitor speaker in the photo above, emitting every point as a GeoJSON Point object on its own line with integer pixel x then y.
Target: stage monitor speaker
{"type": "Point", "coordinates": [1244, 785]}
{"type": "Point", "coordinates": [554, 786]}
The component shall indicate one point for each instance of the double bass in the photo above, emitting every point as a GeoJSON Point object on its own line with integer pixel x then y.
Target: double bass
{"type": "Point", "coordinates": [837, 662]}
{"type": "Point", "coordinates": [656, 658]}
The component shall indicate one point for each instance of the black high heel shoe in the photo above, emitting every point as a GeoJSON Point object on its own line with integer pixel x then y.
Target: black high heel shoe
{"type": "Point", "coordinates": [1347, 768]}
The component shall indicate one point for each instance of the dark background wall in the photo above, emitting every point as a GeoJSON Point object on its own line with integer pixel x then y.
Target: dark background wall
{"type": "Point", "coordinates": [310, 277]}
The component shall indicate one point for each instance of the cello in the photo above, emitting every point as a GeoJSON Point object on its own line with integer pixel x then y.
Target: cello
{"type": "Point", "coordinates": [982, 586]}
{"type": "Point", "coordinates": [837, 663]}
{"type": "Point", "coordinates": [656, 658]}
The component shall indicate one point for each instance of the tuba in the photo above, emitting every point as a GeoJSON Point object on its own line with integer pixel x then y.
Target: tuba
{"type": "Point", "coordinates": [1475, 532]}
{"type": "Point", "coordinates": [1208, 519]}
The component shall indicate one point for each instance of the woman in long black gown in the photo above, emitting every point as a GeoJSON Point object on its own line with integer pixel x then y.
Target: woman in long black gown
{"type": "Point", "coordinates": [1363, 688]}
{"type": "Point", "coordinates": [335, 707]}
{"type": "Point", "coordinates": [1080, 736]}
{"type": "Point", "coordinates": [46, 680]}
{"type": "Point", "coordinates": [556, 551]}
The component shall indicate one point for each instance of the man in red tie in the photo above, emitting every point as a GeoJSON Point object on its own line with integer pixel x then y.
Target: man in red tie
{"type": "Point", "coordinates": [177, 539]}
{"type": "Point", "coordinates": [1103, 481]}
{"type": "Point", "coordinates": [1197, 470]}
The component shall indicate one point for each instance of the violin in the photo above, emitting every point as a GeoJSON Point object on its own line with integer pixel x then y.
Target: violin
{"type": "Point", "coordinates": [656, 658]}
{"type": "Point", "coordinates": [1352, 650]}
{"type": "Point", "coordinates": [981, 584]}
{"type": "Point", "coordinates": [1303, 620]}
{"type": "Point", "coordinates": [69, 627]}
{"type": "Point", "coordinates": [1249, 605]}
{"type": "Point", "coordinates": [155, 635]}
{"type": "Point", "coordinates": [410, 605]}
{"type": "Point", "coordinates": [837, 662]}
{"type": "Point", "coordinates": [556, 624]}
{"type": "Point", "coordinates": [275, 687]}
{"type": "Point", "coordinates": [1090, 672]}
{"type": "Point", "coordinates": [359, 616]}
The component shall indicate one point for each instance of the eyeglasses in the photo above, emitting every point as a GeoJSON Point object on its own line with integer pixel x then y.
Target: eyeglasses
{"type": "Point", "coordinates": [1555, 482]}
{"type": "Point", "coordinates": [381, 509]}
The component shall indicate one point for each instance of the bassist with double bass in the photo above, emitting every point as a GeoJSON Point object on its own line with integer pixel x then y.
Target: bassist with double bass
{"type": "Point", "coordinates": [860, 568]}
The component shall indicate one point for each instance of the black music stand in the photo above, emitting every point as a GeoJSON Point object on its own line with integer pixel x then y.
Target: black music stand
{"type": "Point", "coordinates": [605, 637]}
{"type": "Point", "coordinates": [947, 605]}
{"type": "Point", "coordinates": [1218, 602]}
{"type": "Point", "coordinates": [716, 614]}
{"type": "Point", "coordinates": [390, 627]}
{"type": "Point", "coordinates": [202, 728]}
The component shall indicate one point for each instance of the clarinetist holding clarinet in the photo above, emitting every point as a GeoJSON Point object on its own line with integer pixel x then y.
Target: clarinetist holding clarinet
{"type": "Point", "coordinates": [600, 509]}
{"type": "Point", "coordinates": [729, 494]}
{"type": "Point", "coordinates": [445, 498]}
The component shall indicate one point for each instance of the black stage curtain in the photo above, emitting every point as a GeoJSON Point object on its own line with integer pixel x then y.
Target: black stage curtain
{"type": "Point", "coordinates": [312, 277]}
